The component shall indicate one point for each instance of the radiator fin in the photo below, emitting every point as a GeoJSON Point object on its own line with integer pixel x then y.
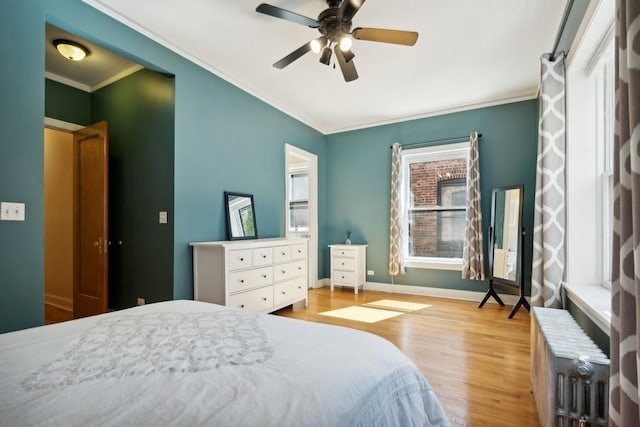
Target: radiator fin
{"type": "Point", "coordinates": [569, 373]}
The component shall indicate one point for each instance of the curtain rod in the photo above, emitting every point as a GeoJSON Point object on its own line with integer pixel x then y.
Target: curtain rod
{"type": "Point", "coordinates": [565, 18]}
{"type": "Point", "coordinates": [437, 140]}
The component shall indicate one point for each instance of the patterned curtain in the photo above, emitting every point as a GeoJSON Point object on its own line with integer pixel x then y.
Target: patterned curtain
{"type": "Point", "coordinates": [396, 261]}
{"type": "Point", "coordinates": [625, 306]}
{"type": "Point", "coordinates": [473, 252]}
{"type": "Point", "coordinates": [549, 216]}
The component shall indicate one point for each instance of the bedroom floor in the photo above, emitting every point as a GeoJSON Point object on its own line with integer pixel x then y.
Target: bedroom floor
{"type": "Point", "coordinates": [476, 360]}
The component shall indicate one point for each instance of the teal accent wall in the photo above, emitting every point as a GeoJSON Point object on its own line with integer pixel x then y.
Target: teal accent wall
{"type": "Point", "coordinates": [359, 181]}
{"type": "Point", "coordinates": [139, 110]}
{"type": "Point", "coordinates": [599, 337]}
{"type": "Point", "coordinates": [225, 139]}
{"type": "Point", "coordinates": [67, 103]}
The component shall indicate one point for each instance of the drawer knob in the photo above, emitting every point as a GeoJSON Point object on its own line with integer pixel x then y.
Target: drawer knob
{"type": "Point", "coordinates": [241, 305]}
{"type": "Point", "coordinates": [342, 253]}
{"type": "Point", "coordinates": [241, 280]}
{"type": "Point", "coordinates": [283, 271]}
{"type": "Point", "coordinates": [241, 259]}
{"type": "Point", "coordinates": [343, 277]}
{"type": "Point", "coordinates": [264, 298]}
{"type": "Point", "coordinates": [299, 251]}
{"type": "Point", "coordinates": [299, 287]}
{"type": "Point", "coordinates": [282, 253]}
{"type": "Point", "coordinates": [264, 255]}
{"type": "Point", "coordinates": [299, 268]}
{"type": "Point", "coordinates": [264, 276]}
{"type": "Point", "coordinates": [283, 292]}
{"type": "Point", "coordinates": [342, 263]}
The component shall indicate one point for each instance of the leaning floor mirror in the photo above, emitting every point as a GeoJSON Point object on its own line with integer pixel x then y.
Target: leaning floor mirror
{"type": "Point", "coordinates": [506, 242]}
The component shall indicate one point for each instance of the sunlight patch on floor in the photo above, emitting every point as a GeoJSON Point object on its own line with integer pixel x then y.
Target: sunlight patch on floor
{"type": "Point", "coordinates": [362, 314]}
{"type": "Point", "coordinates": [397, 305]}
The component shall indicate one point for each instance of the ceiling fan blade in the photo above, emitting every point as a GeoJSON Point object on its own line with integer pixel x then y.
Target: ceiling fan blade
{"type": "Point", "coordinates": [348, 9]}
{"type": "Point", "coordinates": [382, 35]}
{"type": "Point", "coordinates": [287, 15]}
{"type": "Point", "coordinates": [348, 67]}
{"type": "Point", "coordinates": [293, 56]}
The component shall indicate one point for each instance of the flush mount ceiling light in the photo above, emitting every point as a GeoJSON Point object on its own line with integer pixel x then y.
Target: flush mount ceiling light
{"type": "Point", "coordinates": [70, 49]}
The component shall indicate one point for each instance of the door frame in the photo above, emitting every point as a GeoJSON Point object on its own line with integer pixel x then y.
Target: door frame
{"type": "Point", "coordinates": [312, 161]}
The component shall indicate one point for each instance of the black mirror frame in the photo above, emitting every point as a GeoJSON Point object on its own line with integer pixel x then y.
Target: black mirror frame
{"type": "Point", "coordinates": [230, 236]}
{"type": "Point", "coordinates": [492, 236]}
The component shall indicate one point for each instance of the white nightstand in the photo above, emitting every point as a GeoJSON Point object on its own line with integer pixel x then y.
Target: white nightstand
{"type": "Point", "coordinates": [348, 265]}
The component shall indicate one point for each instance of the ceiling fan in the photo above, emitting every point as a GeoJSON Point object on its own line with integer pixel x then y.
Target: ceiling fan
{"type": "Point", "coordinates": [334, 25]}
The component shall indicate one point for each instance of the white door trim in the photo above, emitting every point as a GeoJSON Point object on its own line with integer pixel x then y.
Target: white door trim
{"type": "Point", "coordinates": [312, 161]}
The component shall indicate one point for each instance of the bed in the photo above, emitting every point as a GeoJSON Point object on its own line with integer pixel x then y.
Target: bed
{"type": "Point", "coordinates": [188, 363]}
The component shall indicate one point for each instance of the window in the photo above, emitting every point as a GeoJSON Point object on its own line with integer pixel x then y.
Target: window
{"type": "Point", "coordinates": [435, 199]}
{"type": "Point", "coordinates": [605, 116]}
{"type": "Point", "coordinates": [299, 201]}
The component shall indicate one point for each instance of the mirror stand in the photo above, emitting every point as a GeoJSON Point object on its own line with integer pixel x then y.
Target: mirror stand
{"type": "Point", "coordinates": [506, 247]}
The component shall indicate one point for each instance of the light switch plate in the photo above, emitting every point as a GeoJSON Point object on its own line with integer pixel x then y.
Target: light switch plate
{"type": "Point", "coordinates": [162, 218]}
{"type": "Point", "coordinates": [11, 211]}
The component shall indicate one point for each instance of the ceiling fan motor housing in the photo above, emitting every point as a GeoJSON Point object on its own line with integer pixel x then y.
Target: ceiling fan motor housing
{"type": "Point", "coordinates": [331, 27]}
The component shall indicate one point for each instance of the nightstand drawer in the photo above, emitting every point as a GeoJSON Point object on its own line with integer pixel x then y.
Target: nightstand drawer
{"type": "Point", "coordinates": [346, 264]}
{"type": "Point", "coordinates": [348, 253]}
{"type": "Point", "coordinates": [247, 279]}
{"type": "Point", "coordinates": [344, 277]}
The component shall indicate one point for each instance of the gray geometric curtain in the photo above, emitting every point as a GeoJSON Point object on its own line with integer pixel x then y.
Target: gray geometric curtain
{"type": "Point", "coordinates": [473, 252]}
{"type": "Point", "coordinates": [625, 283]}
{"type": "Point", "coordinates": [549, 215]}
{"type": "Point", "coordinates": [396, 259]}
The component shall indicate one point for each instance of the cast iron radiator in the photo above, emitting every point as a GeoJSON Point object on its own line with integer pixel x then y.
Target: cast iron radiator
{"type": "Point", "coordinates": [569, 373]}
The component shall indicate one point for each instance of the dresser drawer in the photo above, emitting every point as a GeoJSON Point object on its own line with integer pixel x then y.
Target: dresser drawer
{"type": "Point", "coordinates": [288, 291]}
{"type": "Point", "coordinates": [344, 277]}
{"type": "Point", "coordinates": [239, 258]}
{"type": "Point", "coordinates": [298, 251]}
{"type": "Point", "coordinates": [281, 254]}
{"type": "Point", "coordinates": [255, 300]}
{"type": "Point", "coordinates": [262, 256]}
{"type": "Point", "coordinates": [248, 279]}
{"type": "Point", "coordinates": [289, 270]}
{"type": "Point", "coordinates": [347, 264]}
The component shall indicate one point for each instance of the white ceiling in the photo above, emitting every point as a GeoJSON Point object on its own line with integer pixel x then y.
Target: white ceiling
{"type": "Point", "coordinates": [469, 53]}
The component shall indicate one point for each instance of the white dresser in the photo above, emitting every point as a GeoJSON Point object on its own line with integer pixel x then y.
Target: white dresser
{"type": "Point", "coordinates": [348, 265]}
{"type": "Point", "coordinates": [260, 275]}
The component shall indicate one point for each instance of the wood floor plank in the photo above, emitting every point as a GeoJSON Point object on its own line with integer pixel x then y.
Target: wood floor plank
{"type": "Point", "coordinates": [476, 360]}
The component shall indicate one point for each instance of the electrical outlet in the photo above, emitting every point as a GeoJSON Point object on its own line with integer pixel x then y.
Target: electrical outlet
{"type": "Point", "coordinates": [370, 272]}
{"type": "Point", "coordinates": [140, 301]}
{"type": "Point", "coordinates": [10, 211]}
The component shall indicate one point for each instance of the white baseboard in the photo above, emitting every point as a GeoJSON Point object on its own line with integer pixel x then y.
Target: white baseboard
{"type": "Point", "coordinates": [427, 291]}
{"type": "Point", "coordinates": [59, 302]}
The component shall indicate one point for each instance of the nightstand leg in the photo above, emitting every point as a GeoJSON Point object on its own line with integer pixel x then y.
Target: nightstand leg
{"type": "Point", "coordinates": [356, 288]}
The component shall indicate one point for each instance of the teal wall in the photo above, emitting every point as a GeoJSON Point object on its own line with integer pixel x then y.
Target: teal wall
{"type": "Point", "coordinates": [225, 139]}
{"type": "Point", "coordinates": [140, 112]}
{"type": "Point", "coordinates": [359, 183]}
{"type": "Point", "coordinates": [66, 103]}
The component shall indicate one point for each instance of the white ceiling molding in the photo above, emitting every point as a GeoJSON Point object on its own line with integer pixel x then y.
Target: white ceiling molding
{"type": "Point", "coordinates": [119, 76]}
{"type": "Point", "coordinates": [68, 82]}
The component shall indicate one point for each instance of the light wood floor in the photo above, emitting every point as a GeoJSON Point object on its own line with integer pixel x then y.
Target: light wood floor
{"type": "Point", "coordinates": [476, 360]}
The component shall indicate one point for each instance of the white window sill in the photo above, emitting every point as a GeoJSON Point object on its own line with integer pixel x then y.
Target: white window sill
{"type": "Point", "coordinates": [594, 301]}
{"type": "Point", "coordinates": [434, 263]}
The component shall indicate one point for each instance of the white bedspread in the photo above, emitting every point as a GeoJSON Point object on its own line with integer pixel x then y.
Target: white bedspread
{"type": "Point", "coordinates": [187, 363]}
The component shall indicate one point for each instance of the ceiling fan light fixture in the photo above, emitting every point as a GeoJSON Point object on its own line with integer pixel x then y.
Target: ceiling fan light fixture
{"type": "Point", "coordinates": [317, 44]}
{"type": "Point", "coordinates": [345, 43]}
{"type": "Point", "coordinates": [325, 58]}
{"type": "Point", "coordinates": [70, 49]}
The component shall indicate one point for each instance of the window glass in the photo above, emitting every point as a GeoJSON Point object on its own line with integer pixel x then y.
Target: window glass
{"type": "Point", "coordinates": [299, 201]}
{"type": "Point", "coordinates": [435, 180]}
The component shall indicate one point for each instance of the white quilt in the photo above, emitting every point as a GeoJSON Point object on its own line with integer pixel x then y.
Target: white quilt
{"type": "Point", "coordinates": [187, 363]}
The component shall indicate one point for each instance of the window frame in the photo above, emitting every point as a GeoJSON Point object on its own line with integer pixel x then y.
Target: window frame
{"type": "Point", "coordinates": [420, 155]}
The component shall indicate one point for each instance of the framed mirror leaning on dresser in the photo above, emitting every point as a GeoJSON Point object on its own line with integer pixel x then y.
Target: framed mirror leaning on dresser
{"type": "Point", "coordinates": [241, 216]}
{"type": "Point", "coordinates": [506, 243]}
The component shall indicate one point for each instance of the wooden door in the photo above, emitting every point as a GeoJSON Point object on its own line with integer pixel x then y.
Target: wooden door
{"type": "Point", "coordinates": [91, 213]}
